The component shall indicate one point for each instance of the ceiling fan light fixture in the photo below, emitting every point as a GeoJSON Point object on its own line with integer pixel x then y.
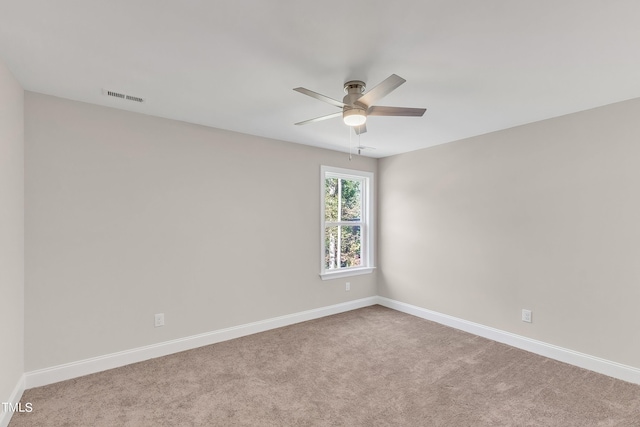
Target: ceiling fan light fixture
{"type": "Point", "coordinates": [354, 117]}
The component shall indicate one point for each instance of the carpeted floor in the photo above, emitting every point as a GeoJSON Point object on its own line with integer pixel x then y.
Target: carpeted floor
{"type": "Point", "coordinates": [368, 367]}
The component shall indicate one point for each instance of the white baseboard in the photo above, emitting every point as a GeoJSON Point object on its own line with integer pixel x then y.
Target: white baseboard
{"type": "Point", "coordinates": [68, 371]}
{"type": "Point", "coordinates": [592, 363]}
{"type": "Point", "coordinates": [15, 397]}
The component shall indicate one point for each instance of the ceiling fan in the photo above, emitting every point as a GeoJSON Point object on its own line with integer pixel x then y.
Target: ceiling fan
{"type": "Point", "coordinates": [357, 106]}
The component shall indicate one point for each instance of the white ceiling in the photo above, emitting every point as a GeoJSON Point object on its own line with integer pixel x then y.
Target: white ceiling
{"type": "Point", "coordinates": [477, 66]}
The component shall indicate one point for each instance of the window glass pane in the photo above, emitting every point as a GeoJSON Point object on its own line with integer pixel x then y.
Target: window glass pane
{"type": "Point", "coordinates": [331, 248]}
{"type": "Point", "coordinates": [350, 246]}
{"type": "Point", "coordinates": [351, 200]}
{"type": "Point", "coordinates": [331, 199]}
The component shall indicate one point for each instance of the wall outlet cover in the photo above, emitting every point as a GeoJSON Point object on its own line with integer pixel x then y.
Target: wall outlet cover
{"type": "Point", "coordinates": [159, 319]}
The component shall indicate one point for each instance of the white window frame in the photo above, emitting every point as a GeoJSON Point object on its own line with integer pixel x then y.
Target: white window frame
{"type": "Point", "coordinates": [366, 224]}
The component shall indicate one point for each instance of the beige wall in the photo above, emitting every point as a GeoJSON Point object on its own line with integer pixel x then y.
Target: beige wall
{"type": "Point", "coordinates": [130, 215]}
{"type": "Point", "coordinates": [544, 216]}
{"type": "Point", "coordinates": [11, 233]}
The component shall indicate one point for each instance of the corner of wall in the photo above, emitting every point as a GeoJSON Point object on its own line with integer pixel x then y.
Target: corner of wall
{"type": "Point", "coordinates": [12, 242]}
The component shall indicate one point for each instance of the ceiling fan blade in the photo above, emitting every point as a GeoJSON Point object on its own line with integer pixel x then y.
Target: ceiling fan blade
{"type": "Point", "coordinates": [360, 129]}
{"type": "Point", "coordinates": [395, 111]}
{"type": "Point", "coordinates": [383, 89]}
{"type": "Point", "coordinates": [319, 119]}
{"type": "Point", "coordinates": [320, 97]}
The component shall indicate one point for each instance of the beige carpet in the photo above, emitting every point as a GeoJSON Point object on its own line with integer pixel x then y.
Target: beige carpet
{"type": "Point", "coordinates": [368, 367]}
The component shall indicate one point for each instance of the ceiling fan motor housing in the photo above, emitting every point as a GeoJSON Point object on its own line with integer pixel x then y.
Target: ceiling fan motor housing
{"type": "Point", "coordinates": [354, 113]}
{"type": "Point", "coordinates": [354, 90]}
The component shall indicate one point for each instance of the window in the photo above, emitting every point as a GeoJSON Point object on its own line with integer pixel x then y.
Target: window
{"type": "Point", "coordinates": [347, 222]}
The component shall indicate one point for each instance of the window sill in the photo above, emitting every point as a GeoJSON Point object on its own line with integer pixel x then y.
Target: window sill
{"type": "Point", "coordinates": [346, 273]}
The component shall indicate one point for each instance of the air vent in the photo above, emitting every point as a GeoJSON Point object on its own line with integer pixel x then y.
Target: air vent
{"type": "Point", "coordinates": [134, 98]}
{"type": "Point", "coordinates": [107, 92]}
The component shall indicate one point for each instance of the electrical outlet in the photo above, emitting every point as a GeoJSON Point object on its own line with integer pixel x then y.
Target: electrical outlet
{"type": "Point", "coordinates": [347, 286]}
{"type": "Point", "coordinates": [526, 315]}
{"type": "Point", "coordinates": [159, 319]}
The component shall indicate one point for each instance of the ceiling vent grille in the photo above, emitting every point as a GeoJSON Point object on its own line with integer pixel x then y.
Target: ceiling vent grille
{"type": "Point", "coordinates": [120, 95]}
